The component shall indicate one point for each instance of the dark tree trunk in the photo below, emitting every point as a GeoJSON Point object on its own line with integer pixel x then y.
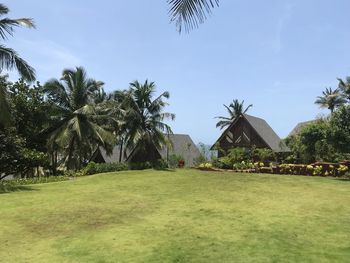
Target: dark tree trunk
{"type": "Point", "coordinates": [121, 150]}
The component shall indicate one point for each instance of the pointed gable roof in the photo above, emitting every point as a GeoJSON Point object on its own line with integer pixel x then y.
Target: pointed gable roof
{"type": "Point", "coordinates": [266, 133]}
{"type": "Point", "coordinates": [264, 130]}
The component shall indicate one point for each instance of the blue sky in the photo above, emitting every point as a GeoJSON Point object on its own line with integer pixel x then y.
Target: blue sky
{"type": "Point", "coordinates": [277, 55]}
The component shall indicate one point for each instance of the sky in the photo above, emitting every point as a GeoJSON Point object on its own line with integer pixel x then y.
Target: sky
{"type": "Point", "coordinates": [278, 55]}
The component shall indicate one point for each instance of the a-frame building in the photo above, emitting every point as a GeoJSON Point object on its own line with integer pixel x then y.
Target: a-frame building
{"type": "Point", "coordinates": [247, 131]}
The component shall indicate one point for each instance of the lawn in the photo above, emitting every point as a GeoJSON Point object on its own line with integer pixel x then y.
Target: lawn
{"type": "Point", "coordinates": [182, 216]}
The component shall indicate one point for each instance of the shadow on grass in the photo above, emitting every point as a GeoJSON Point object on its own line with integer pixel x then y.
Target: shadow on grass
{"type": "Point", "coordinates": [165, 169]}
{"type": "Point", "coordinates": [5, 189]}
{"type": "Point", "coordinates": [343, 179]}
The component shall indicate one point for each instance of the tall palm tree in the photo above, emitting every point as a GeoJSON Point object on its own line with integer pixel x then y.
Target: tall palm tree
{"type": "Point", "coordinates": [235, 109]}
{"type": "Point", "coordinates": [9, 59]}
{"type": "Point", "coordinates": [76, 131]}
{"type": "Point", "coordinates": [189, 14]}
{"type": "Point", "coordinates": [344, 87]}
{"type": "Point", "coordinates": [330, 99]}
{"type": "Point", "coordinates": [145, 117]}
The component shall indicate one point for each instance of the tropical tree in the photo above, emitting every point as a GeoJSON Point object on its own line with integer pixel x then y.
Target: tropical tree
{"type": "Point", "coordinates": [235, 109]}
{"type": "Point", "coordinates": [76, 131]}
{"type": "Point", "coordinates": [189, 14]}
{"type": "Point", "coordinates": [330, 99]}
{"type": "Point", "coordinates": [9, 59]}
{"type": "Point", "coordinates": [145, 116]}
{"type": "Point", "coordinates": [344, 87]}
{"type": "Point", "coordinates": [5, 116]}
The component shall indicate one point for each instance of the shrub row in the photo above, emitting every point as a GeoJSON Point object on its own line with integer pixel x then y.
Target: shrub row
{"type": "Point", "coordinates": [95, 168]}
{"type": "Point", "coordinates": [315, 169]}
{"type": "Point", "coordinates": [33, 180]}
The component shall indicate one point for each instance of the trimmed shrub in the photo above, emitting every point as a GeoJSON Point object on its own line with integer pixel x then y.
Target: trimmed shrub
{"type": "Point", "coordinates": [95, 168]}
{"type": "Point", "coordinates": [32, 180]}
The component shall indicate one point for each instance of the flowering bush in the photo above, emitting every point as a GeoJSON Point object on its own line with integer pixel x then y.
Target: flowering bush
{"type": "Point", "coordinates": [205, 165]}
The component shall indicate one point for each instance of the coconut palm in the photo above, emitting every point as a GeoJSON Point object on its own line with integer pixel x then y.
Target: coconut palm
{"type": "Point", "coordinates": [330, 99]}
{"type": "Point", "coordinates": [190, 13]}
{"type": "Point", "coordinates": [145, 116]}
{"type": "Point", "coordinates": [9, 59]}
{"type": "Point", "coordinates": [344, 87]}
{"type": "Point", "coordinates": [235, 109]}
{"type": "Point", "coordinates": [76, 131]}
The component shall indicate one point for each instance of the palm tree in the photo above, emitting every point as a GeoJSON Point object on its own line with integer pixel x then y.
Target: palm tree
{"type": "Point", "coordinates": [77, 131]}
{"type": "Point", "coordinates": [190, 13]}
{"type": "Point", "coordinates": [9, 59]}
{"type": "Point", "coordinates": [145, 116]}
{"type": "Point", "coordinates": [234, 110]}
{"type": "Point", "coordinates": [330, 99]}
{"type": "Point", "coordinates": [344, 87]}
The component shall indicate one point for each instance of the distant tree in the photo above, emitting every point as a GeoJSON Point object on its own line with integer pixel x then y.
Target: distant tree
{"type": "Point", "coordinates": [189, 14]}
{"type": "Point", "coordinates": [76, 131]}
{"type": "Point", "coordinates": [235, 109]}
{"type": "Point", "coordinates": [344, 87]}
{"type": "Point", "coordinates": [339, 132]}
{"type": "Point", "coordinates": [5, 116]}
{"type": "Point", "coordinates": [30, 112]}
{"type": "Point", "coordinates": [330, 99]}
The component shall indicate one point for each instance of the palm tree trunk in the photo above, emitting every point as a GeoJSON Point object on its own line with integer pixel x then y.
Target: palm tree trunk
{"type": "Point", "coordinates": [121, 150]}
{"type": "Point", "coordinates": [70, 153]}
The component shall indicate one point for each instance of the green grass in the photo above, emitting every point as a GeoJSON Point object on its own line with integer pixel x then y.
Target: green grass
{"type": "Point", "coordinates": [182, 216]}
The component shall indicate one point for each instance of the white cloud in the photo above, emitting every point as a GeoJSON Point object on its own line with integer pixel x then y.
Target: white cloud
{"type": "Point", "coordinates": [47, 57]}
{"type": "Point", "coordinates": [275, 40]}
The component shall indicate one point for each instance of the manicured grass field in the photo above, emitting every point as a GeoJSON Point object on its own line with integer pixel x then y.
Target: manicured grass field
{"type": "Point", "coordinates": [182, 216]}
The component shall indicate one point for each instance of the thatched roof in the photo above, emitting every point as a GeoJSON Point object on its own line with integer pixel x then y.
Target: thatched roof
{"type": "Point", "coordinates": [263, 129]}
{"type": "Point", "coordinates": [300, 126]}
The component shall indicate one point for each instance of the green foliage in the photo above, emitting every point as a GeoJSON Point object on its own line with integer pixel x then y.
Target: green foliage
{"type": "Point", "coordinates": [237, 155]}
{"type": "Point", "coordinates": [263, 154]}
{"type": "Point", "coordinates": [324, 140]}
{"type": "Point", "coordinates": [15, 158]}
{"type": "Point", "coordinates": [140, 165]}
{"type": "Point", "coordinates": [30, 113]}
{"type": "Point", "coordinates": [160, 164]}
{"type": "Point", "coordinates": [339, 133]}
{"type": "Point", "coordinates": [330, 99]}
{"type": "Point", "coordinates": [173, 160]}
{"type": "Point", "coordinates": [95, 168]}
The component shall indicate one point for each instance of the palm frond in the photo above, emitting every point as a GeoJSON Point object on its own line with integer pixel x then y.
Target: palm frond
{"type": "Point", "coordinates": [9, 60]}
{"type": "Point", "coordinates": [189, 14]}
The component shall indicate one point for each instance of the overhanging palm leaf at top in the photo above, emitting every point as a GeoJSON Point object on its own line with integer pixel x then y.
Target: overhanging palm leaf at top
{"type": "Point", "coordinates": [330, 99]}
{"type": "Point", "coordinates": [9, 59]}
{"type": "Point", "coordinates": [235, 109]}
{"type": "Point", "coordinates": [189, 14]}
